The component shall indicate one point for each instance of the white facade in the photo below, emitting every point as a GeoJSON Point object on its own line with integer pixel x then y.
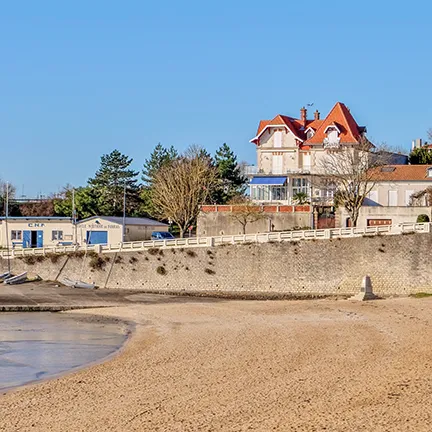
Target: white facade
{"type": "Point", "coordinates": [18, 232]}
{"type": "Point", "coordinates": [396, 193]}
{"type": "Point", "coordinates": [32, 232]}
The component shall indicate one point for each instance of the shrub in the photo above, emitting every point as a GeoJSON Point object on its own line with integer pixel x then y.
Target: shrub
{"type": "Point", "coordinates": [118, 260]}
{"type": "Point", "coordinates": [97, 262]}
{"type": "Point", "coordinates": [153, 251]}
{"type": "Point", "coordinates": [29, 260]}
{"type": "Point", "coordinates": [191, 253]}
{"type": "Point", "coordinates": [133, 260]}
{"type": "Point", "coordinates": [422, 218]}
{"type": "Point", "coordinates": [54, 257]}
{"type": "Point", "coordinates": [209, 271]}
{"type": "Point", "coordinates": [161, 270]}
{"type": "Point", "coordinates": [77, 254]}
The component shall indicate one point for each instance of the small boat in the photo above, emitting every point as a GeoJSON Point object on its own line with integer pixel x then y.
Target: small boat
{"type": "Point", "coordinates": [5, 275]}
{"type": "Point", "coordinates": [77, 284]}
{"type": "Point", "coordinates": [13, 280]}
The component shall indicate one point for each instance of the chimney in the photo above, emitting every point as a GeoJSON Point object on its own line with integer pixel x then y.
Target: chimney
{"type": "Point", "coordinates": [316, 115]}
{"type": "Point", "coordinates": [303, 114]}
{"type": "Point", "coordinates": [417, 143]}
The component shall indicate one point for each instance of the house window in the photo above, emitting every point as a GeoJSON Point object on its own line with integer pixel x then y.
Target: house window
{"type": "Point", "coordinates": [392, 198]}
{"type": "Point", "coordinates": [278, 139]}
{"type": "Point", "coordinates": [57, 235]}
{"type": "Point", "coordinates": [16, 235]}
{"type": "Point", "coordinates": [300, 185]}
{"type": "Point", "coordinates": [269, 193]}
{"type": "Point", "coordinates": [309, 134]}
{"type": "Point", "coordinates": [277, 164]}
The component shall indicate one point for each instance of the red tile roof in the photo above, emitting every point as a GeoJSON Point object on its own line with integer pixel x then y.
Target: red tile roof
{"type": "Point", "coordinates": [342, 118]}
{"type": "Point", "coordinates": [402, 173]}
{"type": "Point", "coordinates": [339, 115]}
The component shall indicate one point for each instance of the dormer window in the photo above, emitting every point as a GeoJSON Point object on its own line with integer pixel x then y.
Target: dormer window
{"type": "Point", "coordinates": [429, 172]}
{"type": "Point", "coordinates": [332, 139]}
{"type": "Point", "coordinates": [309, 133]}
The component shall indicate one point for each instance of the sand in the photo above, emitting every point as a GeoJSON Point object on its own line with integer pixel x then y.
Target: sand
{"type": "Point", "coordinates": [321, 365]}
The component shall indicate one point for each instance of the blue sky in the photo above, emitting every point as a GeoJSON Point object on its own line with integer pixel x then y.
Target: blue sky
{"type": "Point", "coordinates": [79, 79]}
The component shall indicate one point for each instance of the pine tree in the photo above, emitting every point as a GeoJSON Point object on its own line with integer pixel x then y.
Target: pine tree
{"type": "Point", "coordinates": [109, 182]}
{"type": "Point", "coordinates": [158, 158]}
{"type": "Point", "coordinates": [420, 156]}
{"type": "Point", "coordinates": [231, 181]}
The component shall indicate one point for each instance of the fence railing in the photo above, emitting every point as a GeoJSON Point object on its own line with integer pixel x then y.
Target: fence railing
{"type": "Point", "coordinates": [320, 234]}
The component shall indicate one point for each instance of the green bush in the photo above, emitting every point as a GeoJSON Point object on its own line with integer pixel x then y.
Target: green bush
{"type": "Point", "coordinates": [422, 218]}
{"type": "Point", "coordinates": [161, 270]}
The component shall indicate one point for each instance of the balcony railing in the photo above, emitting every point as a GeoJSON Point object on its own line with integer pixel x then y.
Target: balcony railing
{"type": "Point", "coordinates": [251, 170]}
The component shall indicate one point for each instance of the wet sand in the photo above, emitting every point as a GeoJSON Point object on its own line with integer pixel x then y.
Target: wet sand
{"type": "Point", "coordinates": [235, 366]}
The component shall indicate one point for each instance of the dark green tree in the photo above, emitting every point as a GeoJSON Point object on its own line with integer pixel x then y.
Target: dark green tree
{"type": "Point", "coordinates": [86, 203]}
{"type": "Point", "coordinates": [420, 156]}
{"type": "Point", "coordinates": [109, 182]}
{"type": "Point", "coordinates": [159, 157]}
{"type": "Point", "coordinates": [231, 182]}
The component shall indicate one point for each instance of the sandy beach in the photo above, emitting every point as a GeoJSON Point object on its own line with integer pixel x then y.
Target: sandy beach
{"type": "Point", "coordinates": [318, 365]}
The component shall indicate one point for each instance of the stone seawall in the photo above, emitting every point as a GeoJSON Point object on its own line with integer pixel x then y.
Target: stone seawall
{"type": "Point", "coordinates": [398, 264]}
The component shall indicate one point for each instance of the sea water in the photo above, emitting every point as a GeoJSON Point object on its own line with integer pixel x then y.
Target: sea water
{"type": "Point", "coordinates": [39, 345]}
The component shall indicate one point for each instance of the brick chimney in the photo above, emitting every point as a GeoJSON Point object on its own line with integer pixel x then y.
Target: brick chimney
{"type": "Point", "coordinates": [303, 115]}
{"type": "Point", "coordinates": [316, 115]}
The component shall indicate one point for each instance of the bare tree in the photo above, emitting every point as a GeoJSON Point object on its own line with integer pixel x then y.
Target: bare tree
{"type": "Point", "coordinates": [353, 172]}
{"type": "Point", "coordinates": [244, 211]}
{"type": "Point", "coordinates": [182, 186]}
{"type": "Point", "coordinates": [422, 198]}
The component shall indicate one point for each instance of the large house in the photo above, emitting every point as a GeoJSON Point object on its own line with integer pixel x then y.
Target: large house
{"type": "Point", "coordinates": [289, 151]}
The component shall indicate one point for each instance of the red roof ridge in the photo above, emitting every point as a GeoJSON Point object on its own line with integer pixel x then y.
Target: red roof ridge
{"type": "Point", "coordinates": [341, 116]}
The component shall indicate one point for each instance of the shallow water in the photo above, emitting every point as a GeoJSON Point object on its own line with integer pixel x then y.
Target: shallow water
{"type": "Point", "coordinates": [36, 346]}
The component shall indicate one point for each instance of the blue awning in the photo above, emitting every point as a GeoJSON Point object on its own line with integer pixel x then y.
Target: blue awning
{"type": "Point", "coordinates": [275, 181]}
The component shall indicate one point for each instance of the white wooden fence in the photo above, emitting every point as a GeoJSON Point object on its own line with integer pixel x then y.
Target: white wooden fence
{"type": "Point", "coordinates": [321, 234]}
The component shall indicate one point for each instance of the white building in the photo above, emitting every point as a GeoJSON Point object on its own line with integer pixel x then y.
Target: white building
{"type": "Point", "coordinates": [32, 232]}
{"type": "Point", "coordinates": [109, 229]}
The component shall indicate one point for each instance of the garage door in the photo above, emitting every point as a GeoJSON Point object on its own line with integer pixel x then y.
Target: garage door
{"type": "Point", "coordinates": [97, 237]}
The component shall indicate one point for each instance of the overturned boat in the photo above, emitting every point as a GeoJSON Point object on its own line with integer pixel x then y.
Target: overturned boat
{"type": "Point", "coordinates": [5, 275]}
{"type": "Point", "coordinates": [77, 284]}
{"type": "Point", "coordinates": [14, 280]}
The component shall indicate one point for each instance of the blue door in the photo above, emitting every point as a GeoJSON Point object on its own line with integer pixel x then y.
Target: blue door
{"type": "Point", "coordinates": [39, 239]}
{"type": "Point", "coordinates": [97, 237]}
{"type": "Point", "coordinates": [26, 239]}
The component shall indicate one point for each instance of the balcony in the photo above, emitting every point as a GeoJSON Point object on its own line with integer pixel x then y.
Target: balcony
{"type": "Point", "coordinates": [252, 170]}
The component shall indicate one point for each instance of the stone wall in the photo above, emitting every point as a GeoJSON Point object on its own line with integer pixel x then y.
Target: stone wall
{"type": "Point", "coordinates": [396, 215]}
{"type": "Point", "coordinates": [397, 264]}
{"type": "Point", "coordinates": [218, 220]}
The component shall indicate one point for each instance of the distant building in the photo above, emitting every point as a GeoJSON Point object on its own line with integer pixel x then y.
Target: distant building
{"type": "Point", "coordinates": [32, 232]}
{"type": "Point", "coordinates": [398, 185]}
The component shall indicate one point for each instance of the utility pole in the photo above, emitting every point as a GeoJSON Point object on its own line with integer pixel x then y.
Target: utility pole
{"type": "Point", "coordinates": [74, 216]}
{"type": "Point", "coordinates": [124, 212]}
{"type": "Point", "coordinates": [7, 228]}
